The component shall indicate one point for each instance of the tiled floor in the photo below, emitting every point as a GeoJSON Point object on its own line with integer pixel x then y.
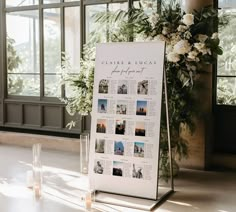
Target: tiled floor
{"type": "Point", "coordinates": [195, 190]}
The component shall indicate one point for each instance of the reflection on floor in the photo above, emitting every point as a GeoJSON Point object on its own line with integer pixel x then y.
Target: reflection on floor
{"type": "Point", "coordinates": [63, 186]}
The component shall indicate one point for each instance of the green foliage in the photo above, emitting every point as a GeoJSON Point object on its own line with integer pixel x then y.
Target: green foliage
{"type": "Point", "coordinates": [15, 83]}
{"type": "Point", "coordinates": [79, 101]}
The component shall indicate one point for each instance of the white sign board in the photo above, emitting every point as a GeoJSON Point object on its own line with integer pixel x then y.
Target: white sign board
{"type": "Point", "coordinates": [126, 117]}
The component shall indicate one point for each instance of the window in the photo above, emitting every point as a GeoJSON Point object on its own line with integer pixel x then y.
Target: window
{"type": "Point", "coordinates": [102, 32]}
{"type": "Point", "coordinates": [33, 54]}
{"type": "Point", "coordinates": [52, 51]}
{"type": "Point", "coordinates": [34, 51]}
{"type": "Point", "coordinates": [18, 3]}
{"type": "Point", "coordinates": [226, 69]}
{"type": "Point", "coordinates": [23, 53]}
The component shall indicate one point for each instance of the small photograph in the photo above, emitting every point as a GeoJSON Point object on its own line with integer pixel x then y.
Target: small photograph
{"type": "Point", "coordinates": [117, 168]}
{"type": "Point", "coordinates": [103, 86]}
{"type": "Point", "coordinates": [101, 126]}
{"type": "Point", "coordinates": [119, 148]}
{"type": "Point", "coordinates": [120, 127]}
{"type": "Point", "coordinates": [140, 129]}
{"type": "Point", "coordinates": [139, 149]}
{"type": "Point", "coordinates": [142, 87]}
{"type": "Point", "coordinates": [99, 145]}
{"type": "Point", "coordinates": [102, 105]}
{"type": "Point", "coordinates": [122, 87]}
{"type": "Point", "coordinates": [137, 171]}
{"type": "Point", "coordinates": [121, 108]}
{"type": "Point", "coordinates": [98, 167]}
{"type": "Point", "coordinates": [141, 108]}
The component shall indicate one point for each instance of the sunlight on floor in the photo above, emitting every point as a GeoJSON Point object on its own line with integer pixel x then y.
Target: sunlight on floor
{"type": "Point", "coordinates": [179, 203]}
{"type": "Point", "coordinates": [14, 191]}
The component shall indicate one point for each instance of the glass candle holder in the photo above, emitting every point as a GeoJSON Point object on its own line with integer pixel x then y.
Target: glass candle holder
{"type": "Point", "coordinates": [84, 153]}
{"type": "Point", "coordinates": [37, 171]}
{"type": "Point", "coordinates": [36, 149]}
{"type": "Point", "coordinates": [37, 179]}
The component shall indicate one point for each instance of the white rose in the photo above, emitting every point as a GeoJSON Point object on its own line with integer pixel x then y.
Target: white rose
{"type": "Point", "coordinates": [192, 55]}
{"type": "Point", "coordinates": [173, 57]}
{"type": "Point", "coordinates": [201, 47]}
{"type": "Point", "coordinates": [182, 47]}
{"type": "Point", "coordinates": [153, 19]}
{"type": "Point", "coordinates": [188, 19]}
{"type": "Point", "coordinates": [202, 38]}
{"type": "Point", "coordinates": [181, 28]}
{"type": "Point", "coordinates": [215, 36]}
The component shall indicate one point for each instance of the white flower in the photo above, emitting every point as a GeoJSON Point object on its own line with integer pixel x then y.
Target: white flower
{"type": "Point", "coordinates": [202, 38]}
{"type": "Point", "coordinates": [201, 47]}
{"type": "Point", "coordinates": [174, 38]}
{"type": "Point", "coordinates": [153, 19]}
{"type": "Point", "coordinates": [214, 36]}
{"type": "Point", "coordinates": [192, 55]}
{"type": "Point", "coordinates": [181, 28]}
{"type": "Point", "coordinates": [188, 19]}
{"type": "Point", "coordinates": [165, 30]}
{"type": "Point", "coordinates": [173, 57]}
{"type": "Point", "coordinates": [182, 47]}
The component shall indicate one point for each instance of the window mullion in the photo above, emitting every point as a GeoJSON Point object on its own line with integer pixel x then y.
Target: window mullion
{"type": "Point", "coordinates": [41, 41]}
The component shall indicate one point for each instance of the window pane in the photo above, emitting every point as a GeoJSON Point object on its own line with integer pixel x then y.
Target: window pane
{"type": "Point", "coordinates": [227, 3]}
{"type": "Point", "coordinates": [51, 1]}
{"type": "Point", "coordinates": [226, 90]}
{"type": "Point", "coordinates": [226, 63]}
{"type": "Point", "coordinates": [227, 33]}
{"type": "Point", "coordinates": [52, 85]}
{"type": "Point", "coordinates": [22, 45]}
{"type": "Point", "coordinates": [26, 85]}
{"type": "Point", "coordinates": [52, 42]}
{"type": "Point", "coordinates": [18, 3]}
{"type": "Point", "coordinates": [72, 36]}
{"type": "Point", "coordinates": [91, 26]}
{"type": "Point", "coordinates": [102, 32]}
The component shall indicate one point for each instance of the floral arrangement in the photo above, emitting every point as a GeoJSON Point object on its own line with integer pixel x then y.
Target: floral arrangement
{"type": "Point", "coordinates": [190, 41]}
{"type": "Point", "coordinates": [79, 100]}
{"type": "Point", "coordinates": [190, 45]}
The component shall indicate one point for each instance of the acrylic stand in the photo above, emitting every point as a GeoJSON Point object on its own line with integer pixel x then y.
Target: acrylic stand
{"type": "Point", "coordinates": [138, 202]}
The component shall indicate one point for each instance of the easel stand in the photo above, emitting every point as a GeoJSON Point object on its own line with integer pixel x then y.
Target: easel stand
{"type": "Point", "coordinates": [138, 202]}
